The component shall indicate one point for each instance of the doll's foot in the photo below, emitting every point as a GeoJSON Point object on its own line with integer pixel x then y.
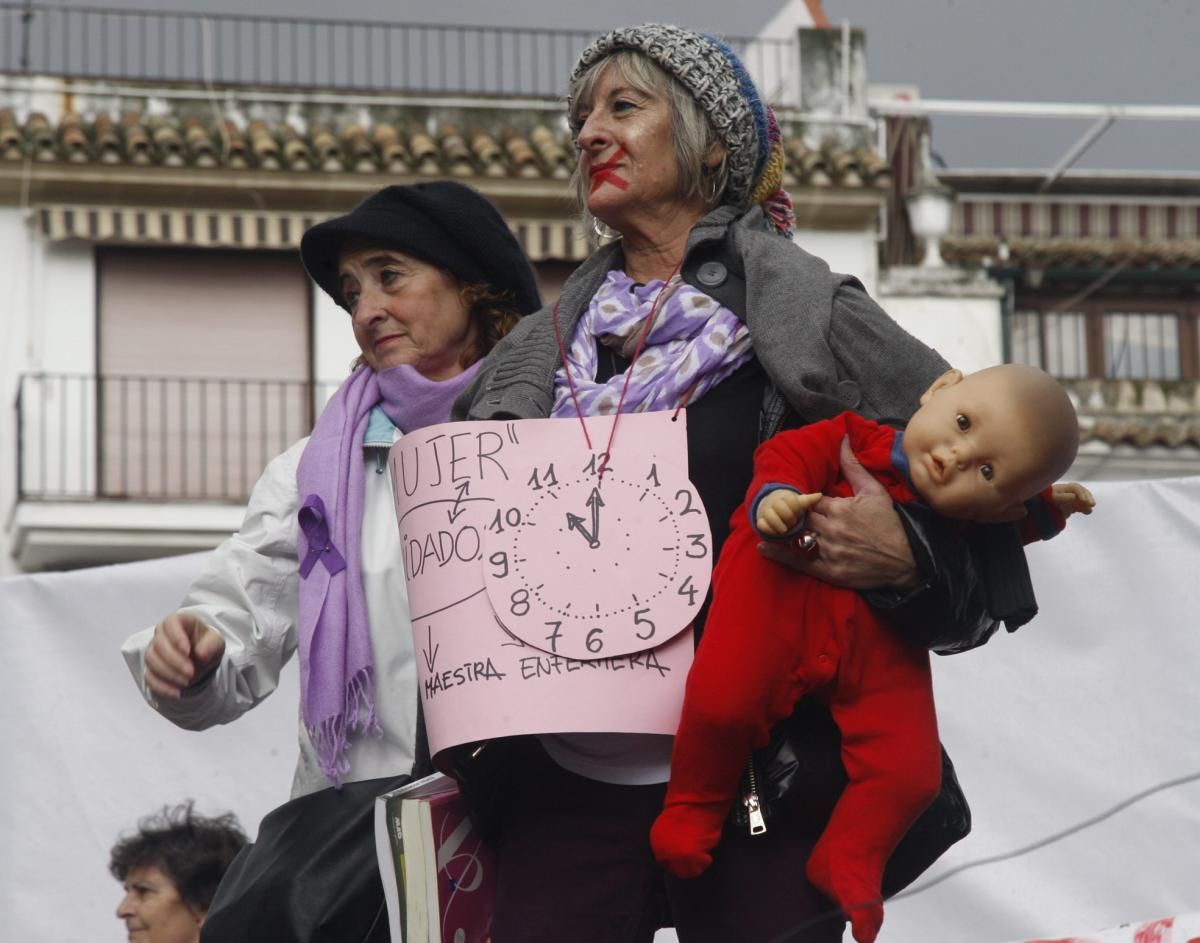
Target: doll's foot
{"type": "Point", "coordinates": [679, 845]}
{"type": "Point", "coordinates": [856, 893]}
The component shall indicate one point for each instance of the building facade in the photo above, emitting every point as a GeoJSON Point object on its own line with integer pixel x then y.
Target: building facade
{"type": "Point", "coordinates": [161, 339]}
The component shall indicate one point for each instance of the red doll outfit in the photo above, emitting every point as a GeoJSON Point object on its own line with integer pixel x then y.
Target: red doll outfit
{"type": "Point", "coordinates": [774, 636]}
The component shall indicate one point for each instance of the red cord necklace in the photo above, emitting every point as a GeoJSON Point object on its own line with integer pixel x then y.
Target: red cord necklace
{"type": "Point", "coordinates": [562, 350]}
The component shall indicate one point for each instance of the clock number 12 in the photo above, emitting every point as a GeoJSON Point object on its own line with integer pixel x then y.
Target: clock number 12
{"type": "Point", "coordinates": [598, 464]}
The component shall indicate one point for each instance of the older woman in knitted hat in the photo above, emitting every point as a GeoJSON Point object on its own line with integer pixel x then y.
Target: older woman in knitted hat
{"type": "Point", "coordinates": [703, 302]}
{"type": "Point", "coordinates": [431, 277]}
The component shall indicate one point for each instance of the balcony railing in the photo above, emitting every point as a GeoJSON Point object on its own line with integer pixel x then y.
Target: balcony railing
{"type": "Point", "coordinates": [155, 438]}
{"type": "Point", "coordinates": [343, 55]}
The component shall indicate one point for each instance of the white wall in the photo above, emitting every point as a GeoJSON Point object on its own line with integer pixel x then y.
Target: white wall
{"type": "Point", "coordinates": [779, 79]}
{"type": "Point", "coordinates": [64, 274]}
{"type": "Point", "coordinates": [852, 252]}
{"type": "Point", "coordinates": [956, 313]}
{"type": "Point", "coordinates": [964, 331]}
{"type": "Point", "coordinates": [14, 356]}
{"type": "Point", "coordinates": [334, 348]}
{"type": "Point", "coordinates": [48, 324]}
{"type": "Point", "coordinates": [1091, 704]}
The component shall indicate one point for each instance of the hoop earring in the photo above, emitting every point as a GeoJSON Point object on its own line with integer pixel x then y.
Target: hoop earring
{"type": "Point", "coordinates": [603, 233]}
{"type": "Point", "coordinates": [717, 181]}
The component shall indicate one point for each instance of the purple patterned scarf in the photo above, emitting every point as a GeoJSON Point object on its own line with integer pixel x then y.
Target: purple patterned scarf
{"type": "Point", "coordinates": [337, 693]}
{"type": "Point", "coordinates": [692, 346]}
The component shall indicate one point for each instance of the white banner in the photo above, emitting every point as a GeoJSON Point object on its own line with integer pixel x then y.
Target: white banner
{"type": "Point", "coordinates": [1184, 929]}
{"type": "Point", "coordinates": [84, 757]}
{"type": "Point", "coordinates": [1089, 707]}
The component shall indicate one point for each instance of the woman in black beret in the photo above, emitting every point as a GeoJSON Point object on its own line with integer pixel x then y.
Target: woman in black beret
{"type": "Point", "coordinates": [431, 277]}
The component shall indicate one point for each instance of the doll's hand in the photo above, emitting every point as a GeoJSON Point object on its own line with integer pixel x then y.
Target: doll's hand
{"type": "Point", "coordinates": [861, 543]}
{"type": "Point", "coordinates": [781, 510]}
{"type": "Point", "coordinates": [1070, 497]}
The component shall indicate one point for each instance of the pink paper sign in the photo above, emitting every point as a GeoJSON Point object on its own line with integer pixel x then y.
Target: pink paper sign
{"type": "Point", "coordinates": [463, 490]}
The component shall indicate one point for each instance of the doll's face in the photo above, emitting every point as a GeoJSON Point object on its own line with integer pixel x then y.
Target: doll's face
{"type": "Point", "coordinates": [974, 448]}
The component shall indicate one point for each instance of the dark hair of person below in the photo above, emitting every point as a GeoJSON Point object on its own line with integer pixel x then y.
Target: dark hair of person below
{"type": "Point", "coordinates": [192, 850]}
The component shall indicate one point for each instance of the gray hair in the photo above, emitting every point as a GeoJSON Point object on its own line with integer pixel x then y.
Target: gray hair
{"type": "Point", "coordinates": [692, 132]}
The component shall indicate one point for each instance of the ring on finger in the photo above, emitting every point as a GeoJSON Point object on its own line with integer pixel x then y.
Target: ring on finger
{"type": "Point", "coordinates": [807, 542]}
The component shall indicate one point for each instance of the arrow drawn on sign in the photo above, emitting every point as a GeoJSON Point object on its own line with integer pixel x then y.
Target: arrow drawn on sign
{"type": "Point", "coordinates": [459, 497]}
{"type": "Point", "coordinates": [575, 522]}
{"type": "Point", "coordinates": [431, 650]}
{"type": "Point", "coordinates": [595, 502]}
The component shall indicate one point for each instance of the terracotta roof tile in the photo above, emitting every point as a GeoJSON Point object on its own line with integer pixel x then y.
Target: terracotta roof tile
{"type": "Point", "coordinates": [1141, 413]}
{"type": "Point", "coordinates": [521, 154]}
{"type": "Point", "coordinates": [359, 151]}
{"type": "Point", "coordinates": [393, 155]}
{"type": "Point", "coordinates": [263, 147]}
{"type": "Point", "coordinates": [329, 156]}
{"type": "Point", "coordinates": [540, 151]}
{"type": "Point", "coordinates": [425, 153]}
{"type": "Point", "coordinates": [488, 153]}
{"type": "Point", "coordinates": [554, 156]}
{"type": "Point", "coordinates": [135, 141]}
{"type": "Point", "coordinates": [11, 145]}
{"type": "Point", "coordinates": [296, 153]}
{"type": "Point", "coordinates": [456, 156]}
{"type": "Point", "coordinates": [41, 137]}
{"type": "Point", "coordinates": [72, 139]}
{"type": "Point", "coordinates": [1069, 252]}
{"type": "Point", "coordinates": [237, 155]}
{"type": "Point", "coordinates": [167, 142]}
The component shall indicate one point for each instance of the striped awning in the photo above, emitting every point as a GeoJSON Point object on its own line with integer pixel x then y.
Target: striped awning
{"type": "Point", "coordinates": [542, 239]}
{"type": "Point", "coordinates": [177, 227]}
{"type": "Point", "coordinates": [1079, 218]}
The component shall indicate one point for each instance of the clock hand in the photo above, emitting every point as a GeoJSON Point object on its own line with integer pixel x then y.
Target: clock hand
{"type": "Point", "coordinates": [575, 522]}
{"type": "Point", "coordinates": [595, 502]}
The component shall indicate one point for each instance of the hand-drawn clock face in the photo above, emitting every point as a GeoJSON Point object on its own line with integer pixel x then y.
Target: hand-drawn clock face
{"type": "Point", "coordinates": [594, 566]}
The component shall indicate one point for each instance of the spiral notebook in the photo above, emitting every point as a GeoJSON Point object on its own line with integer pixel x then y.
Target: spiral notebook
{"type": "Point", "coordinates": [438, 875]}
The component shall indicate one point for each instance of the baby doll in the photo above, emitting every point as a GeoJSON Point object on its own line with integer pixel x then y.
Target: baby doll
{"type": "Point", "coordinates": [982, 448]}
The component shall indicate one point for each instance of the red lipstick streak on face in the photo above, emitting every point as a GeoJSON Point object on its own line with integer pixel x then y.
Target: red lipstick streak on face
{"type": "Point", "coordinates": [608, 176]}
{"type": "Point", "coordinates": [605, 172]}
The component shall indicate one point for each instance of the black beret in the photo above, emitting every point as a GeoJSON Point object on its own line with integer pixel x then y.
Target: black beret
{"type": "Point", "coordinates": [441, 222]}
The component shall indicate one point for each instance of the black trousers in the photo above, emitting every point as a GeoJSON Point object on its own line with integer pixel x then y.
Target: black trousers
{"type": "Point", "coordinates": [575, 864]}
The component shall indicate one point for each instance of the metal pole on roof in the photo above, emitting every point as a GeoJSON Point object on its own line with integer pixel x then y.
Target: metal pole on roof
{"type": "Point", "coordinates": [26, 26]}
{"type": "Point", "coordinates": [846, 71]}
{"type": "Point", "coordinates": [940, 106]}
{"type": "Point", "coordinates": [1077, 151]}
{"type": "Point", "coordinates": [1105, 116]}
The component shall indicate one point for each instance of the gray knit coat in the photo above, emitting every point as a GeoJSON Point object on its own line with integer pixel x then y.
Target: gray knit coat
{"type": "Point", "coordinates": [825, 345]}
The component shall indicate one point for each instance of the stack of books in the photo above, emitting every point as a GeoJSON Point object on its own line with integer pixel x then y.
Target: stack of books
{"type": "Point", "coordinates": [439, 877]}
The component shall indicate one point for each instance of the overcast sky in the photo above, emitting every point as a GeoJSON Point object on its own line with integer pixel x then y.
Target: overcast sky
{"type": "Point", "coordinates": [1088, 51]}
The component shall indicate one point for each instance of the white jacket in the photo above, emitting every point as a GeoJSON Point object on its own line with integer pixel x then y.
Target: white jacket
{"type": "Point", "coordinates": [249, 591]}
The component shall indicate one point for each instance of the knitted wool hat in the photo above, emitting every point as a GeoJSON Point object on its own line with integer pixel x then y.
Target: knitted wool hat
{"type": "Point", "coordinates": [719, 83]}
{"type": "Point", "coordinates": [441, 222]}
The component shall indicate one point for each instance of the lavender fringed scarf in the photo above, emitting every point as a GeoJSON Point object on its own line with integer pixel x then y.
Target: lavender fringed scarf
{"type": "Point", "coordinates": [337, 693]}
{"type": "Point", "coordinates": [692, 346]}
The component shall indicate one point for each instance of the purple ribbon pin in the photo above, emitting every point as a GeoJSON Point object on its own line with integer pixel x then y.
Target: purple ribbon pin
{"type": "Point", "coordinates": [316, 531]}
